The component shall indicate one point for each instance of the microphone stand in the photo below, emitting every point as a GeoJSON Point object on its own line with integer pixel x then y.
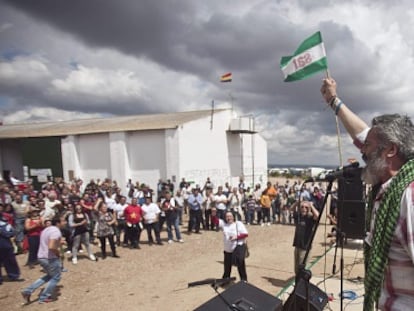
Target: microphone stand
{"type": "Point", "coordinates": [303, 273]}
{"type": "Point", "coordinates": [231, 306]}
{"type": "Point", "coordinates": [340, 239]}
{"type": "Point", "coordinates": [215, 283]}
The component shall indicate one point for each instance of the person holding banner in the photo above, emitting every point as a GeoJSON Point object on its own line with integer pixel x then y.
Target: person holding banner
{"type": "Point", "coordinates": [387, 147]}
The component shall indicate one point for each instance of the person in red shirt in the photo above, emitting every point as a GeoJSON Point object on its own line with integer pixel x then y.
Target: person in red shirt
{"type": "Point", "coordinates": [133, 217]}
{"type": "Point", "coordinates": [33, 226]}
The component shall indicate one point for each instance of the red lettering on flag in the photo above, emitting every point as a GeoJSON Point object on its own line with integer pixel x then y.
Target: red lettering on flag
{"type": "Point", "coordinates": [302, 61]}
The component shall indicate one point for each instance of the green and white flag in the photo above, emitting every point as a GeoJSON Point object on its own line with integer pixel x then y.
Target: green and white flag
{"type": "Point", "coordinates": [309, 58]}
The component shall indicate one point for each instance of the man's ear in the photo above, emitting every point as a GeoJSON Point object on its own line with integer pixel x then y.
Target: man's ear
{"type": "Point", "coordinates": [391, 151]}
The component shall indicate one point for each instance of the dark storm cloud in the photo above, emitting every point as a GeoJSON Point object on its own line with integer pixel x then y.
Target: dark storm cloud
{"type": "Point", "coordinates": [169, 33]}
{"type": "Point", "coordinates": [150, 29]}
{"type": "Point", "coordinates": [143, 27]}
{"type": "Point", "coordinates": [173, 35]}
{"type": "Point", "coordinates": [157, 30]}
{"type": "Point", "coordinates": [185, 46]}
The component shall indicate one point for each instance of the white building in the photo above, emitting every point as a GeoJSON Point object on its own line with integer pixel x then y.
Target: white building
{"type": "Point", "coordinates": [145, 148]}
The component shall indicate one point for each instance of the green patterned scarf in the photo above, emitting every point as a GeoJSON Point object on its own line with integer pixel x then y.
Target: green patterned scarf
{"type": "Point", "coordinates": [376, 257]}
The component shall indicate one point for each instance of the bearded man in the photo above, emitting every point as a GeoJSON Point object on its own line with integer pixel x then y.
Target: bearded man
{"type": "Point", "coordinates": [387, 147]}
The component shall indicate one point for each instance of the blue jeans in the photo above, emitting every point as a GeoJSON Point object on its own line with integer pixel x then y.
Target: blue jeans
{"type": "Point", "coordinates": [250, 216]}
{"type": "Point", "coordinates": [52, 267]}
{"type": "Point", "coordinates": [19, 227]}
{"type": "Point", "coordinates": [221, 213]}
{"type": "Point", "coordinates": [34, 242]}
{"type": "Point", "coordinates": [8, 261]}
{"type": "Point", "coordinates": [173, 222]}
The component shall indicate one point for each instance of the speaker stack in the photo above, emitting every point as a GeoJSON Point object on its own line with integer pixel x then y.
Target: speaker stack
{"type": "Point", "coordinates": [351, 206]}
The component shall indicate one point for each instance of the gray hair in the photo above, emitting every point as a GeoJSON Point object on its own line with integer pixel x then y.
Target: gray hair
{"type": "Point", "coordinates": [398, 130]}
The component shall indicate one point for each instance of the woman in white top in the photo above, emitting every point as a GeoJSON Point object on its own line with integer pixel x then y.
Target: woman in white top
{"type": "Point", "coordinates": [234, 234]}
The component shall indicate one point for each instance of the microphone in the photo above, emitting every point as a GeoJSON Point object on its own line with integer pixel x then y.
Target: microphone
{"type": "Point", "coordinates": [347, 171]}
{"type": "Point", "coordinates": [212, 281]}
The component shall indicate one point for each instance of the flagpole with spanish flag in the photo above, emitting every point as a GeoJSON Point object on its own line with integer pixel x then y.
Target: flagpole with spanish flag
{"type": "Point", "coordinates": [228, 77]}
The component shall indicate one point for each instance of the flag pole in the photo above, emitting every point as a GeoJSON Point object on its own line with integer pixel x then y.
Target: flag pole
{"type": "Point", "coordinates": [338, 132]}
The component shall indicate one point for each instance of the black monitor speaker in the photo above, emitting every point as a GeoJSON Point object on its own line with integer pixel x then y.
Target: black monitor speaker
{"type": "Point", "coordinates": [244, 297]}
{"type": "Point", "coordinates": [297, 301]}
{"type": "Point", "coordinates": [351, 207]}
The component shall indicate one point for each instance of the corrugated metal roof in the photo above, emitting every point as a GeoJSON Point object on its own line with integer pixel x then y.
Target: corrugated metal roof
{"type": "Point", "coordinates": [102, 125]}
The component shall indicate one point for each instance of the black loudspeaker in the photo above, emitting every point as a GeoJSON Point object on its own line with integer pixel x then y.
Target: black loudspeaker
{"type": "Point", "coordinates": [297, 300]}
{"type": "Point", "coordinates": [244, 297]}
{"type": "Point", "coordinates": [351, 187]}
{"type": "Point", "coordinates": [351, 207]}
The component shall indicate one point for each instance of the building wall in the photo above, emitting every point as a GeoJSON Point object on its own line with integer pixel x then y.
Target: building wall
{"type": "Point", "coordinates": [254, 147]}
{"type": "Point", "coordinates": [195, 150]}
{"type": "Point", "coordinates": [147, 158]}
{"type": "Point", "coordinates": [172, 156]}
{"type": "Point", "coordinates": [94, 156]}
{"type": "Point", "coordinates": [70, 157]}
{"type": "Point", "coordinates": [204, 150]}
{"type": "Point", "coordinates": [86, 157]}
{"type": "Point", "coordinates": [119, 157]}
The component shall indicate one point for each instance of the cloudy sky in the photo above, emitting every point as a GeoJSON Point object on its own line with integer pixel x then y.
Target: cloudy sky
{"type": "Point", "coordinates": [63, 60]}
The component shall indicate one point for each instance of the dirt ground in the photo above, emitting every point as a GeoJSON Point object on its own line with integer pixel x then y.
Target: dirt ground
{"type": "Point", "coordinates": [157, 277]}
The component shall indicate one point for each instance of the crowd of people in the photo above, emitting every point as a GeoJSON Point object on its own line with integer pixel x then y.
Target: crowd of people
{"type": "Point", "coordinates": [101, 211]}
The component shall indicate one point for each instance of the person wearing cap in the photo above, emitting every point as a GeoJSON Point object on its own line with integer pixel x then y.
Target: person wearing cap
{"type": "Point", "coordinates": [151, 214]}
{"type": "Point", "coordinates": [195, 201]}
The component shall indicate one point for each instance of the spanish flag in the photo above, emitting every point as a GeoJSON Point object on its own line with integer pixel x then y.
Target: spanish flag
{"type": "Point", "coordinates": [226, 77]}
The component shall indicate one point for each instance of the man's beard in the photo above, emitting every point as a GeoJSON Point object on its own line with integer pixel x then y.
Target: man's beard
{"type": "Point", "coordinates": [371, 173]}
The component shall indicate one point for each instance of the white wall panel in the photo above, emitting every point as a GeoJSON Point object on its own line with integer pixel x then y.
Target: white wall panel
{"type": "Point", "coordinates": [70, 157]}
{"type": "Point", "coordinates": [204, 151]}
{"type": "Point", "coordinates": [94, 156]}
{"type": "Point", "coordinates": [146, 150]}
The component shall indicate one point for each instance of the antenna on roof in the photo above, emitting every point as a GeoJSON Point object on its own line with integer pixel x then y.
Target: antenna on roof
{"type": "Point", "coordinates": [212, 114]}
{"type": "Point", "coordinates": [232, 98]}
